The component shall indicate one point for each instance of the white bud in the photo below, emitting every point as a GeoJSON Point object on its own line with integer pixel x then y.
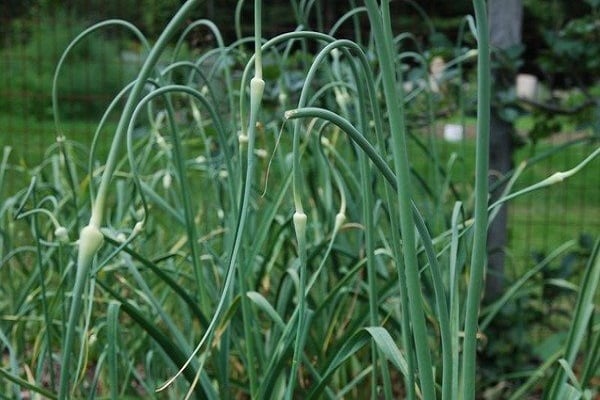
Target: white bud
{"type": "Point", "coordinates": [342, 98]}
{"type": "Point", "coordinates": [139, 213]}
{"type": "Point", "coordinates": [557, 177]}
{"type": "Point", "coordinates": [161, 142]}
{"type": "Point", "coordinates": [289, 114]}
{"type": "Point", "coordinates": [437, 67]}
{"type": "Point", "coordinates": [90, 241]}
{"type": "Point", "coordinates": [340, 218]}
{"type": "Point", "coordinates": [61, 234]}
{"type": "Point", "coordinates": [138, 227]}
{"type": "Point", "coordinates": [121, 237]}
{"type": "Point", "coordinates": [160, 117]}
{"type": "Point", "coordinates": [300, 225]}
{"type": "Point", "coordinates": [289, 160]}
{"type": "Point", "coordinates": [282, 97]}
{"type": "Point", "coordinates": [257, 87]}
{"type": "Point", "coordinates": [471, 53]}
{"type": "Point", "coordinates": [166, 180]}
{"type": "Point", "coordinates": [261, 153]}
{"type": "Point", "coordinates": [195, 113]}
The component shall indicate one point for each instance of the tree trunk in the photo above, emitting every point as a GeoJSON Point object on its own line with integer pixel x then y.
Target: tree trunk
{"type": "Point", "coordinates": [505, 32]}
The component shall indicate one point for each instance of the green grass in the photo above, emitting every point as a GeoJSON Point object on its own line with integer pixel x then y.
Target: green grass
{"type": "Point", "coordinates": [30, 138]}
{"type": "Point", "coordinates": [538, 222]}
{"type": "Point", "coordinates": [545, 219]}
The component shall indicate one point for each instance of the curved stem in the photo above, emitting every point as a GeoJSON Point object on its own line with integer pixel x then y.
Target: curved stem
{"type": "Point", "coordinates": [91, 238]}
{"type": "Point", "coordinates": [136, 91]}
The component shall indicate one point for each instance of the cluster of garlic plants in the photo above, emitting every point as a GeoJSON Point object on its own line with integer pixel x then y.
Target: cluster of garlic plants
{"type": "Point", "coordinates": [228, 249]}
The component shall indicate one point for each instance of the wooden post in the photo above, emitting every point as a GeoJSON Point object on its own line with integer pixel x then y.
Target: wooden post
{"type": "Point", "coordinates": [506, 18]}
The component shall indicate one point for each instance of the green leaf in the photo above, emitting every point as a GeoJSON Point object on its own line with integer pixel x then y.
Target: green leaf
{"type": "Point", "coordinates": [570, 374]}
{"type": "Point", "coordinates": [25, 384]}
{"type": "Point", "coordinates": [356, 342]}
{"type": "Point", "coordinates": [112, 317]}
{"type": "Point", "coordinates": [388, 347]}
{"type": "Point", "coordinates": [584, 309]}
{"type": "Point", "coordinates": [265, 306]}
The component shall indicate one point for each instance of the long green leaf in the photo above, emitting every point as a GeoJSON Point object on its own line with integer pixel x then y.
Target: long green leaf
{"type": "Point", "coordinates": [352, 345]}
{"type": "Point", "coordinates": [583, 311]}
{"type": "Point", "coordinates": [27, 385]}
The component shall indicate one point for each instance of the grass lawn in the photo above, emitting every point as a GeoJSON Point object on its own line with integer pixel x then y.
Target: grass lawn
{"type": "Point", "coordinates": [543, 220]}
{"type": "Point", "coordinates": [538, 222]}
{"type": "Point", "coordinates": [30, 138]}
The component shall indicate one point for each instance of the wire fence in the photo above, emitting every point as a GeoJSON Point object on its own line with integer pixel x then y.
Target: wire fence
{"type": "Point", "coordinates": [96, 71]}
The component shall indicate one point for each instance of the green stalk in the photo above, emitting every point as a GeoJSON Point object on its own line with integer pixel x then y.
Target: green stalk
{"type": "Point", "coordinates": [186, 194]}
{"type": "Point", "coordinates": [247, 139]}
{"type": "Point", "coordinates": [91, 238]}
{"type": "Point", "coordinates": [363, 99]}
{"type": "Point", "coordinates": [90, 241]}
{"type": "Point", "coordinates": [136, 91]}
{"type": "Point", "coordinates": [395, 229]}
{"type": "Point", "coordinates": [478, 257]}
{"type": "Point", "coordinates": [380, 25]}
{"type": "Point", "coordinates": [222, 50]}
{"type": "Point", "coordinates": [553, 179]}
{"type": "Point", "coordinates": [112, 324]}
{"type": "Point", "coordinates": [44, 294]}
{"type": "Point", "coordinates": [249, 318]}
{"type": "Point", "coordinates": [455, 268]}
{"type": "Point", "coordinates": [300, 229]}
{"type": "Point", "coordinates": [111, 23]}
{"type": "Point", "coordinates": [370, 228]}
{"type": "Point", "coordinates": [300, 223]}
{"type": "Point", "coordinates": [26, 384]}
{"type": "Point", "coordinates": [238, 19]}
{"type": "Point", "coordinates": [71, 171]}
{"type": "Point", "coordinates": [3, 165]}
{"type": "Point", "coordinates": [440, 294]}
